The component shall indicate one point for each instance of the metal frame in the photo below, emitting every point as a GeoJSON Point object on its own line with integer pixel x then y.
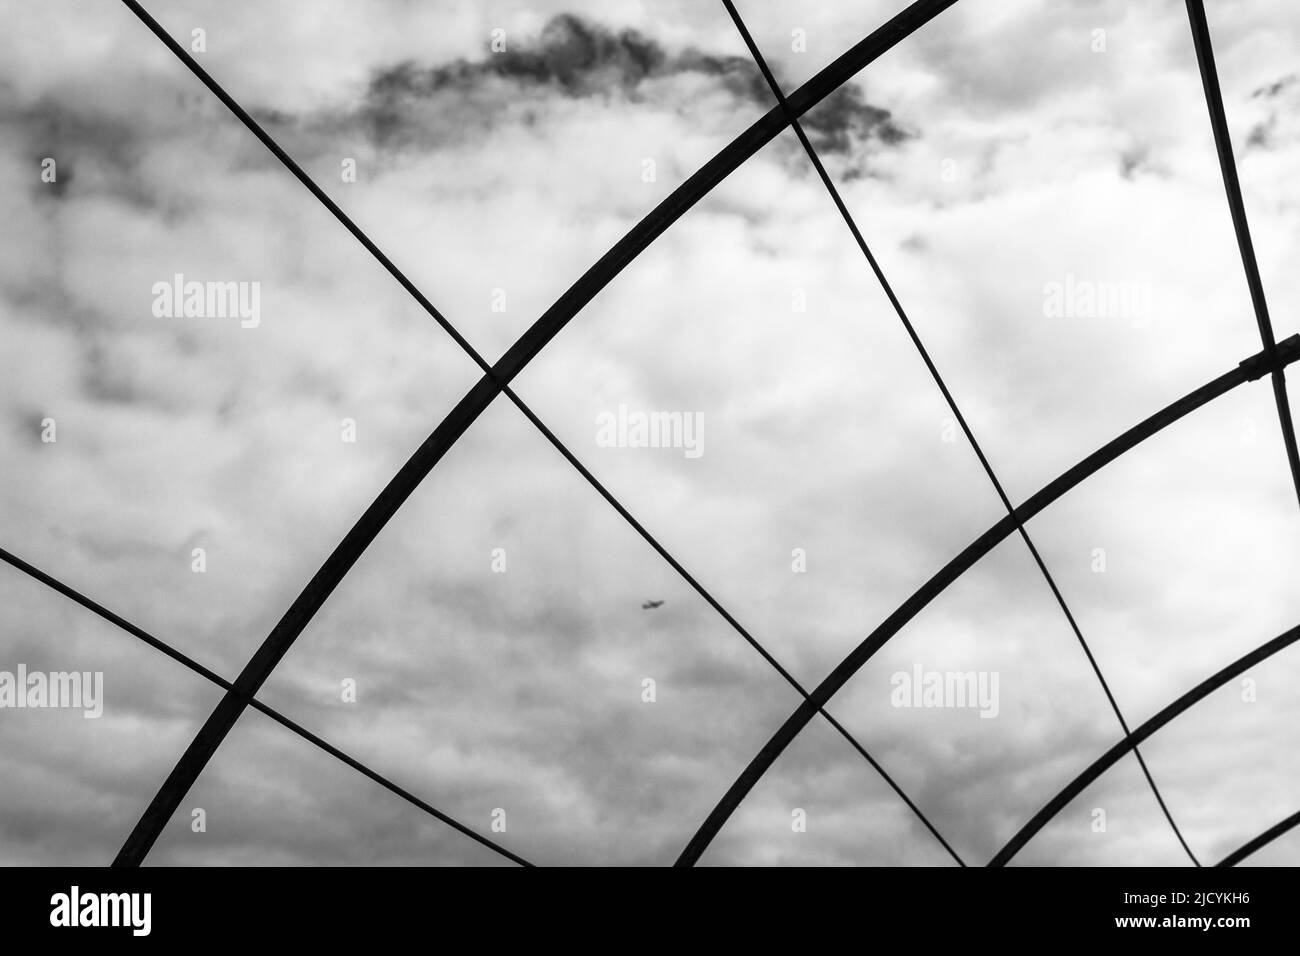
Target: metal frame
{"type": "Point", "coordinates": [952, 406]}
{"type": "Point", "coordinates": [241, 694]}
{"type": "Point", "coordinates": [495, 381]}
{"type": "Point", "coordinates": [1251, 369]}
{"type": "Point", "coordinates": [1130, 741]}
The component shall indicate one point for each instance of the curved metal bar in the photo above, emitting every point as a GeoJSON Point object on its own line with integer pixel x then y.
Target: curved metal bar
{"type": "Point", "coordinates": [956, 411]}
{"type": "Point", "coordinates": [1261, 841]}
{"type": "Point", "coordinates": [118, 621]}
{"type": "Point", "coordinates": [1258, 365]}
{"type": "Point", "coordinates": [1112, 756]}
{"type": "Point", "coordinates": [496, 380]}
{"type": "Point", "coordinates": [1237, 206]}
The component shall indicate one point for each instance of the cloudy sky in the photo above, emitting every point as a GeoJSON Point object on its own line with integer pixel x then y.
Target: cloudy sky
{"type": "Point", "coordinates": [1003, 149]}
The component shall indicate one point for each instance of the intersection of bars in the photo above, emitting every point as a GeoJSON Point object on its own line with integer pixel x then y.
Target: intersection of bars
{"type": "Point", "coordinates": [241, 694]}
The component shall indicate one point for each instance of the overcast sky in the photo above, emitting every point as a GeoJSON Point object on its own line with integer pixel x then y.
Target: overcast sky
{"type": "Point", "coordinates": [1001, 150]}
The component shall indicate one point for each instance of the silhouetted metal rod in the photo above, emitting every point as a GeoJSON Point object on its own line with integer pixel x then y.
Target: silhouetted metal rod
{"type": "Point", "coordinates": [1232, 186]}
{"type": "Point", "coordinates": [467, 410]}
{"type": "Point", "coordinates": [1261, 841]}
{"type": "Point", "coordinates": [118, 621]}
{"type": "Point", "coordinates": [953, 407]}
{"type": "Point", "coordinates": [1251, 369]}
{"type": "Point", "coordinates": [739, 629]}
{"type": "Point", "coordinates": [744, 633]}
{"type": "Point", "coordinates": [1112, 756]}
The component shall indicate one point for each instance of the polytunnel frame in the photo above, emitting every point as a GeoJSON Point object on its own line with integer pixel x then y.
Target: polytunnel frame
{"type": "Point", "coordinates": [241, 694]}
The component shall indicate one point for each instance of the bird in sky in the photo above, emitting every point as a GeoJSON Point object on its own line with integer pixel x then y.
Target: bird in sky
{"type": "Point", "coordinates": [651, 605]}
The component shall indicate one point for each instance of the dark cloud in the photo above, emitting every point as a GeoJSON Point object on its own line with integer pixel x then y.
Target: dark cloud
{"type": "Point", "coordinates": [93, 153]}
{"type": "Point", "coordinates": [846, 117]}
{"type": "Point", "coordinates": [1263, 135]}
{"type": "Point", "coordinates": [1266, 133]}
{"type": "Point", "coordinates": [1137, 161]}
{"type": "Point", "coordinates": [580, 59]}
{"type": "Point", "coordinates": [915, 243]}
{"type": "Point", "coordinates": [1271, 90]}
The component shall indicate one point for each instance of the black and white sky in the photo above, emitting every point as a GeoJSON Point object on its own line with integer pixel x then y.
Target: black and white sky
{"type": "Point", "coordinates": [1005, 150]}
